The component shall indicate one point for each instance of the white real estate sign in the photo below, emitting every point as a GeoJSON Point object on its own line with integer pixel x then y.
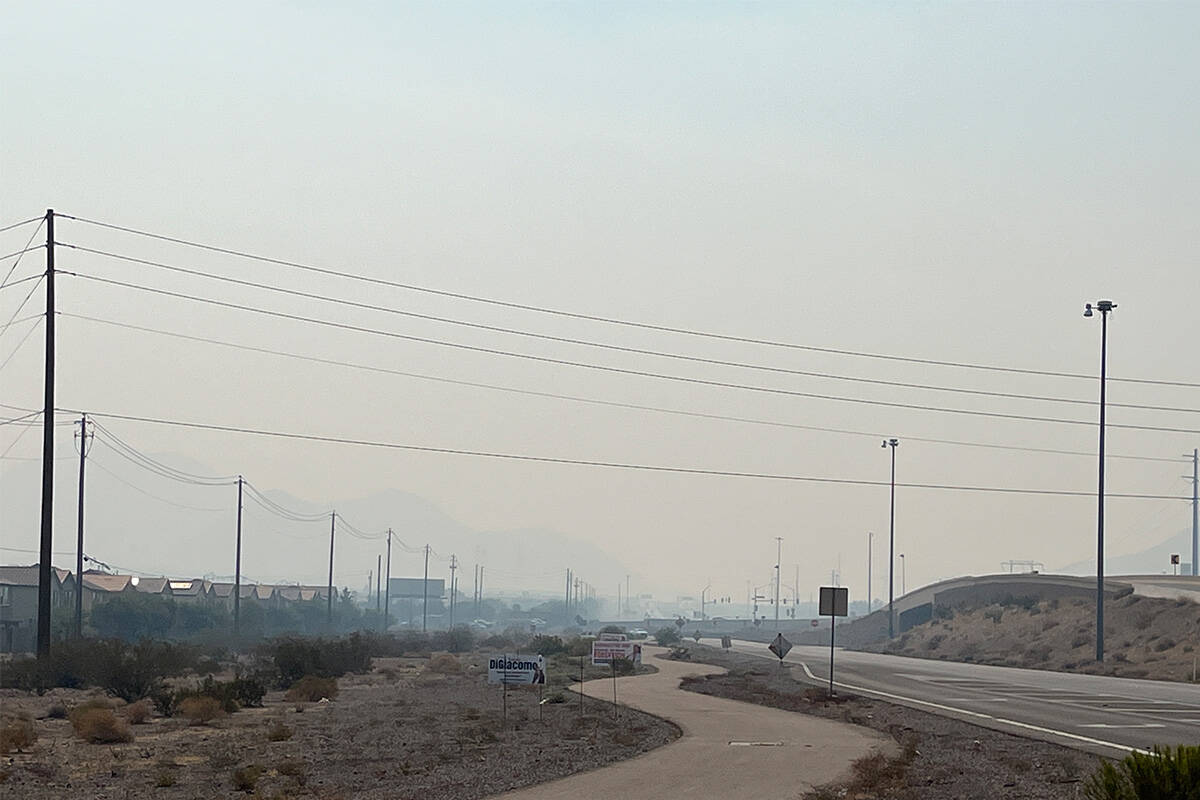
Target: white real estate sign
{"type": "Point", "coordinates": [603, 652]}
{"type": "Point", "coordinates": [517, 670]}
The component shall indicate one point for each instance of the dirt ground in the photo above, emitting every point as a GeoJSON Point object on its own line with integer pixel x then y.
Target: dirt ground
{"type": "Point", "coordinates": [1144, 637]}
{"type": "Point", "coordinates": [399, 731]}
{"type": "Point", "coordinates": [943, 759]}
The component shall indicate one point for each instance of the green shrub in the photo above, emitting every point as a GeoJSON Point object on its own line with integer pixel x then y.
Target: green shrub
{"type": "Point", "coordinates": [278, 732]}
{"type": "Point", "coordinates": [547, 645]}
{"type": "Point", "coordinates": [1163, 774]}
{"type": "Point", "coordinates": [579, 646]}
{"type": "Point", "coordinates": [312, 688]}
{"type": "Point", "coordinates": [666, 636]}
{"type": "Point", "coordinates": [622, 666]}
{"type": "Point", "coordinates": [295, 657]}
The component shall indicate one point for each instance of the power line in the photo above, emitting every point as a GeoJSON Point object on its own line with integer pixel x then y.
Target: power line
{"type": "Point", "coordinates": [592, 400]}
{"type": "Point", "coordinates": [21, 253]}
{"type": "Point", "coordinates": [616, 370]}
{"type": "Point", "coordinates": [41, 217]}
{"type": "Point", "coordinates": [613, 464]}
{"type": "Point", "coordinates": [151, 495]}
{"type": "Point", "coordinates": [134, 455]}
{"type": "Point", "coordinates": [613, 347]}
{"type": "Point", "coordinates": [609, 320]}
{"type": "Point", "coordinates": [13, 318]}
{"type": "Point", "coordinates": [21, 343]}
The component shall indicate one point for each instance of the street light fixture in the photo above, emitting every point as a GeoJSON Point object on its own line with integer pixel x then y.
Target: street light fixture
{"type": "Point", "coordinates": [892, 443]}
{"type": "Point", "coordinates": [1103, 306]}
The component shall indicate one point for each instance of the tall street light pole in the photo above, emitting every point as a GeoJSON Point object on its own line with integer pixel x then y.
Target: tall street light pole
{"type": "Point", "coordinates": [1103, 306]}
{"type": "Point", "coordinates": [903, 577]}
{"type": "Point", "coordinates": [892, 443]}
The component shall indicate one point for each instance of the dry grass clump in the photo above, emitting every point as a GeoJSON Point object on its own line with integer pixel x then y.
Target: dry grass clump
{"type": "Point", "coordinates": [278, 732]}
{"type": "Point", "coordinates": [245, 779]}
{"type": "Point", "coordinates": [99, 725]}
{"type": "Point", "coordinates": [444, 663]}
{"type": "Point", "coordinates": [201, 710]}
{"type": "Point", "coordinates": [138, 713]}
{"type": "Point", "coordinates": [17, 734]}
{"type": "Point", "coordinates": [310, 688]}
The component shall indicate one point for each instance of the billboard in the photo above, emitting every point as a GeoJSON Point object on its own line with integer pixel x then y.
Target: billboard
{"type": "Point", "coordinates": [603, 652]}
{"type": "Point", "coordinates": [516, 670]}
{"type": "Point", "coordinates": [415, 587]}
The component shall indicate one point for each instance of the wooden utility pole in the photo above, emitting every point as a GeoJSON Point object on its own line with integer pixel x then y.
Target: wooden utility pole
{"type": "Point", "coordinates": [47, 538]}
{"type": "Point", "coordinates": [387, 585]}
{"type": "Point", "coordinates": [329, 595]}
{"type": "Point", "coordinates": [83, 437]}
{"type": "Point", "coordinates": [237, 568]}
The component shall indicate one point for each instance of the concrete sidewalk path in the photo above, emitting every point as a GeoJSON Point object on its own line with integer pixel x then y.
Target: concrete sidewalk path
{"type": "Point", "coordinates": [803, 752]}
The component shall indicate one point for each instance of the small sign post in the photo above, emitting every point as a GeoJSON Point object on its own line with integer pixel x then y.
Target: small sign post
{"type": "Point", "coordinates": [1174, 563]}
{"type": "Point", "coordinates": [834, 603]}
{"type": "Point", "coordinates": [726, 642]}
{"type": "Point", "coordinates": [696, 635]}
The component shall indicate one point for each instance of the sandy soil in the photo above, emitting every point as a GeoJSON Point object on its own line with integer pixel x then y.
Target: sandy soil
{"type": "Point", "coordinates": [944, 759]}
{"type": "Point", "coordinates": [1144, 637]}
{"type": "Point", "coordinates": [400, 731]}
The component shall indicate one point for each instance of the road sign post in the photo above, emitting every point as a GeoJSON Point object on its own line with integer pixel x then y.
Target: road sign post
{"type": "Point", "coordinates": [834, 603]}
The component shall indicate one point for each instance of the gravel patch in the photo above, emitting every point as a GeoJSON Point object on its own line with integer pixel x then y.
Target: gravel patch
{"type": "Point", "coordinates": [399, 731]}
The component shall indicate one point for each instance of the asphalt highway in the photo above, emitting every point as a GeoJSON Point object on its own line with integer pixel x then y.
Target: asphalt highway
{"type": "Point", "coordinates": [1108, 716]}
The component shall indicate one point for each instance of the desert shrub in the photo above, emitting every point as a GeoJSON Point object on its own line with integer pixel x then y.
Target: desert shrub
{"type": "Point", "coordinates": [312, 688]}
{"type": "Point", "coordinates": [56, 711]}
{"type": "Point", "coordinates": [1164, 644]}
{"type": "Point", "coordinates": [137, 713]}
{"type": "Point", "coordinates": [166, 701]}
{"type": "Point", "coordinates": [497, 642]}
{"type": "Point", "coordinates": [206, 665]}
{"type": "Point", "coordinates": [545, 645]}
{"type": "Point", "coordinates": [165, 778]}
{"type": "Point", "coordinates": [201, 709]}
{"type": "Point", "coordinates": [612, 629]}
{"type": "Point", "coordinates": [245, 779]}
{"type": "Point", "coordinates": [459, 639]}
{"type": "Point", "coordinates": [99, 725]}
{"type": "Point", "coordinates": [1080, 640]}
{"type": "Point", "coordinates": [295, 657]}
{"type": "Point", "coordinates": [994, 614]}
{"type": "Point", "coordinates": [1163, 773]}
{"type": "Point", "coordinates": [579, 646]}
{"type": "Point", "coordinates": [935, 641]}
{"type": "Point", "coordinates": [555, 697]}
{"type": "Point", "coordinates": [667, 636]}
{"type": "Point", "coordinates": [278, 732]}
{"type": "Point", "coordinates": [17, 734]}
{"type": "Point", "coordinates": [444, 663]}
{"type": "Point", "coordinates": [292, 768]}
{"type": "Point", "coordinates": [622, 666]}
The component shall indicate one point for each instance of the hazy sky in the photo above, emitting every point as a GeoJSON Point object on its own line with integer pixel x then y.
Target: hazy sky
{"type": "Point", "coordinates": [943, 181]}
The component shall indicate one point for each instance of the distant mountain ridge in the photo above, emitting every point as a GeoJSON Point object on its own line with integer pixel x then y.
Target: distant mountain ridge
{"type": "Point", "coordinates": [1151, 561]}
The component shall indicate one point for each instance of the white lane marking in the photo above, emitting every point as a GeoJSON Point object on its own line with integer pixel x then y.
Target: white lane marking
{"type": "Point", "coordinates": [974, 699]}
{"type": "Point", "coordinates": [1106, 725]}
{"type": "Point", "coordinates": [976, 714]}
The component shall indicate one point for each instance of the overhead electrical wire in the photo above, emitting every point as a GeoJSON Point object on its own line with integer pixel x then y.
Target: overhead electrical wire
{"type": "Point", "coordinates": [20, 253]}
{"type": "Point", "coordinates": [92, 460]}
{"type": "Point", "coordinates": [41, 217]}
{"type": "Point", "coordinates": [134, 455]}
{"type": "Point", "coordinates": [612, 464]}
{"type": "Point", "coordinates": [13, 318]}
{"type": "Point", "coordinates": [617, 348]}
{"type": "Point", "coordinates": [20, 344]}
{"type": "Point", "coordinates": [604, 319]}
{"type": "Point", "coordinates": [616, 370]}
{"type": "Point", "coordinates": [589, 400]}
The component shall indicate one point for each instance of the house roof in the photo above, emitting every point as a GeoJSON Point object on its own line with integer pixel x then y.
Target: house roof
{"type": "Point", "coordinates": [221, 590]}
{"type": "Point", "coordinates": [28, 575]}
{"type": "Point", "coordinates": [101, 582]}
{"type": "Point", "coordinates": [152, 585]}
{"type": "Point", "coordinates": [19, 576]}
